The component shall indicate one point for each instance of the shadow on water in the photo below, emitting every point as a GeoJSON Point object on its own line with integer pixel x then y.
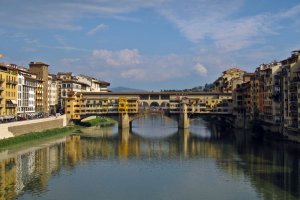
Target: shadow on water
{"type": "Point", "coordinates": [272, 168]}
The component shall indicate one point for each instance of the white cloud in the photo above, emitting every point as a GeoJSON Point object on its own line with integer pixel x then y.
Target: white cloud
{"type": "Point", "coordinates": [69, 61]}
{"type": "Point", "coordinates": [126, 19]}
{"type": "Point", "coordinates": [104, 55]}
{"type": "Point", "coordinates": [243, 33]}
{"type": "Point", "coordinates": [60, 39]}
{"type": "Point", "coordinates": [216, 21]}
{"type": "Point", "coordinates": [135, 73]}
{"type": "Point", "coordinates": [294, 11]}
{"type": "Point", "coordinates": [200, 69]}
{"type": "Point", "coordinates": [98, 28]}
{"type": "Point", "coordinates": [118, 66]}
{"type": "Point", "coordinates": [123, 57]}
{"type": "Point", "coordinates": [129, 64]}
{"type": "Point", "coordinates": [63, 14]}
{"type": "Point", "coordinates": [198, 20]}
{"type": "Point", "coordinates": [128, 56]}
{"type": "Point", "coordinates": [66, 48]}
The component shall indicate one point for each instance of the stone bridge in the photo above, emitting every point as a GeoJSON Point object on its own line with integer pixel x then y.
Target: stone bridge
{"type": "Point", "coordinates": [127, 106]}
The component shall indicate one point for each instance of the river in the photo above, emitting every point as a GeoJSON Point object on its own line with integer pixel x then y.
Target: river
{"type": "Point", "coordinates": [154, 160]}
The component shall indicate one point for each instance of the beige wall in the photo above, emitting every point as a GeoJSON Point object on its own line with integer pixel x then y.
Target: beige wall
{"type": "Point", "coordinates": [36, 127]}
{"type": "Point", "coordinates": [18, 128]}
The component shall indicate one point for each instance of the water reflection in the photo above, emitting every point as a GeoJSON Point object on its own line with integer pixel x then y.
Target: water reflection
{"type": "Point", "coordinates": [154, 126]}
{"type": "Point", "coordinates": [272, 168]}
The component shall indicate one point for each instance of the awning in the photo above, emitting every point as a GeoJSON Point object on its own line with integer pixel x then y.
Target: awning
{"type": "Point", "coordinates": [9, 117]}
{"type": "Point", "coordinates": [14, 101]}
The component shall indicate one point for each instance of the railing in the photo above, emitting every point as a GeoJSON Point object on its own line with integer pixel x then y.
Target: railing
{"type": "Point", "coordinates": [11, 105]}
{"type": "Point", "coordinates": [296, 79]}
{"type": "Point", "coordinates": [12, 82]}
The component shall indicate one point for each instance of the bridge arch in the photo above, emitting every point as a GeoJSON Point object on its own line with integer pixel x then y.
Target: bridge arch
{"type": "Point", "coordinates": [86, 118]}
{"type": "Point", "coordinates": [144, 104]}
{"type": "Point", "coordinates": [154, 104]}
{"type": "Point", "coordinates": [164, 104]}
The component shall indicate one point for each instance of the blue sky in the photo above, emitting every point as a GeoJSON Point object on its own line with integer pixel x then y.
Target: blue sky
{"type": "Point", "coordinates": [152, 45]}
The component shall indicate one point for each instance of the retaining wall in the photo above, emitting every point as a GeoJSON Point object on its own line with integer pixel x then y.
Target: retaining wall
{"type": "Point", "coordinates": [22, 127]}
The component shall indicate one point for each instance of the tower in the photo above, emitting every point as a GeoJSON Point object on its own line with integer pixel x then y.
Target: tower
{"type": "Point", "coordinates": [41, 71]}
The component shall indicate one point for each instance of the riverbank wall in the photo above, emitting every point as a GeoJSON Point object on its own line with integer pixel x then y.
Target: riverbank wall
{"type": "Point", "coordinates": [271, 130]}
{"type": "Point", "coordinates": [13, 129]}
{"type": "Point", "coordinates": [246, 124]}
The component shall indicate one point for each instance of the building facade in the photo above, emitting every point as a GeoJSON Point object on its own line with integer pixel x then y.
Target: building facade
{"type": "Point", "coordinates": [291, 86]}
{"type": "Point", "coordinates": [272, 95]}
{"type": "Point", "coordinates": [53, 90]}
{"type": "Point", "coordinates": [41, 71]}
{"type": "Point", "coordinates": [228, 81]}
{"type": "Point", "coordinates": [27, 84]}
{"type": "Point", "coordinates": [8, 92]}
{"type": "Point", "coordinates": [94, 85]}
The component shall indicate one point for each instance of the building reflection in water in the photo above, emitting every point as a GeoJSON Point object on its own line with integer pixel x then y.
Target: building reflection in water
{"type": "Point", "coordinates": [272, 168]}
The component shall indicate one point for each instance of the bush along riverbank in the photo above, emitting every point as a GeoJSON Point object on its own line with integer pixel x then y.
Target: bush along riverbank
{"type": "Point", "coordinates": [27, 138]}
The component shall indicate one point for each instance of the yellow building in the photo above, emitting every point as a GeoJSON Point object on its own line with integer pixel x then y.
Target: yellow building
{"type": "Point", "coordinates": [8, 91]}
{"type": "Point", "coordinates": [128, 105]}
{"type": "Point", "coordinates": [8, 176]}
{"type": "Point", "coordinates": [212, 103]}
{"type": "Point", "coordinates": [73, 106]}
{"type": "Point", "coordinates": [39, 96]}
{"type": "Point", "coordinates": [79, 105]}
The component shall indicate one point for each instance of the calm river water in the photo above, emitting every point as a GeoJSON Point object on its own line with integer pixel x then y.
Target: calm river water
{"type": "Point", "coordinates": [153, 161]}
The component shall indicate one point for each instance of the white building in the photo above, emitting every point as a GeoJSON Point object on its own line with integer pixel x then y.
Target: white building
{"type": "Point", "coordinates": [94, 84]}
{"type": "Point", "coordinates": [52, 94]}
{"type": "Point", "coordinates": [67, 82]}
{"type": "Point", "coordinates": [27, 84]}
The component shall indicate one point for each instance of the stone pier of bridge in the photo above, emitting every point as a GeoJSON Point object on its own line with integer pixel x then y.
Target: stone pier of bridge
{"type": "Point", "coordinates": [124, 121]}
{"type": "Point", "coordinates": [184, 121]}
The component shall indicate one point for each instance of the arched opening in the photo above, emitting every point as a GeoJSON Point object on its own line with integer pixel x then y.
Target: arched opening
{"type": "Point", "coordinates": [154, 105]}
{"type": "Point", "coordinates": [164, 105]}
{"type": "Point", "coordinates": [143, 104]}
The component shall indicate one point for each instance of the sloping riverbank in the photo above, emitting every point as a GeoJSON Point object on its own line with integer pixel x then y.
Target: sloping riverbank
{"type": "Point", "coordinates": [28, 138]}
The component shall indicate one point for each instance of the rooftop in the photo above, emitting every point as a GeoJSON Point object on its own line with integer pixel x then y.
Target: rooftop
{"type": "Point", "coordinates": [38, 63]}
{"type": "Point", "coordinates": [64, 73]}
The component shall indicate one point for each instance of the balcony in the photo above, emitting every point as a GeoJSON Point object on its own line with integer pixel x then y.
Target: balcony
{"type": "Point", "coordinates": [296, 79]}
{"type": "Point", "coordinates": [293, 99]}
{"type": "Point", "coordinates": [11, 82]}
{"type": "Point", "coordinates": [11, 105]}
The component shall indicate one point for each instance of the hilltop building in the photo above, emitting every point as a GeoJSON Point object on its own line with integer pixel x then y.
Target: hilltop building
{"type": "Point", "coordinates": [228, 81]}
{"type": "Point", "coordinates": [94, 84]}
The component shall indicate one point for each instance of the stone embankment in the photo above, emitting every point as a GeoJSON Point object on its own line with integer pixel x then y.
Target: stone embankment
{"type": "Point", "coordinates": [13, 129]}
